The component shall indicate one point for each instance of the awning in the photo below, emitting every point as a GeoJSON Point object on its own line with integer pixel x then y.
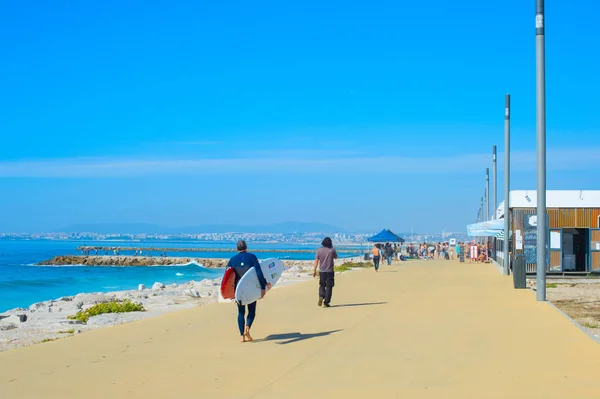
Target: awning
{"type": "Point", "coordinates": [486, 229]}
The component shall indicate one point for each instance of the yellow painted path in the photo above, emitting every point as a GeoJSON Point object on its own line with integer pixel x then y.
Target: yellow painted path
{"type": "Point", "coordinates": [418, 330]}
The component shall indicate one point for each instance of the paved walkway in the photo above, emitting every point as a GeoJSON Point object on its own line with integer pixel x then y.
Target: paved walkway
{"type": "Point", "coordinates": [420, 330]}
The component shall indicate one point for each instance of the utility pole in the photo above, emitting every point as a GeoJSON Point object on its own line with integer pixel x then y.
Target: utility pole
{"type": "Point", "coordinates": [495, 183]}
{"type": "Point", "coordinates": [487, 194]}
{"type": "Point", "coordinates": [506, 184]}
{"type": "Point", "coordinates": [540, 57]}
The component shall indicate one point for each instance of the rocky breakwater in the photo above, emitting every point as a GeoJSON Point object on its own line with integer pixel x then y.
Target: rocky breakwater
{"type": "Point", "coordinates": [75, 260]}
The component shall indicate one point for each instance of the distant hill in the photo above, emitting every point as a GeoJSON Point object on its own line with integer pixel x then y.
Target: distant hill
{"type": "Point", "coordinates": [142, 228]}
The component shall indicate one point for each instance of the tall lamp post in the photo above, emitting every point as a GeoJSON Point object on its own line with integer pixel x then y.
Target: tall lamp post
{"type": "Point", "coordinates": [487, 194]}
{"type": "Point", "coordinates": [494, 183]}
{"type": "Point", "coordinates": [540, 57]}
{"type": "Point", "coordinates": [506, 184]}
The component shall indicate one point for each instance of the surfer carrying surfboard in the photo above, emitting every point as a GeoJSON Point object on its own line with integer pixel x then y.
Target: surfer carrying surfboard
{"type": "Point", "coordinates": [325, 259]}
{"type": "Point", "coordinates": [241, 264]}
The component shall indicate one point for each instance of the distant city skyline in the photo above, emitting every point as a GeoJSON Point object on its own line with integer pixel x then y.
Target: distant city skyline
{"type": "Point", "coordinates": [356, 115]}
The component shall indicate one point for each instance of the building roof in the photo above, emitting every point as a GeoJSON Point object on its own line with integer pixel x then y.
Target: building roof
{"type": "Point", "coordinates": [554, 199]}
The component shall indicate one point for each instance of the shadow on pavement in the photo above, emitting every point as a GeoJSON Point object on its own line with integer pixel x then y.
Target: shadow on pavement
{"type": "Point", "coordinates": [358, 304]}
{"type": "Point", "coordinates": [294, 337]}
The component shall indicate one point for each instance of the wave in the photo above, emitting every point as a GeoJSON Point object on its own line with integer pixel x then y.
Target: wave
{"type": "Point", "coordinates": [179, 274]}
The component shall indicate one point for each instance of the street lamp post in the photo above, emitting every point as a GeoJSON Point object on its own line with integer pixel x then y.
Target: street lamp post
{"type": "Point", "coordinates": [487, 194]}
{"type": "Point", "coordinates": [506, 184]}
{"type": "Point", "coordinates": [494, 183]}
{"type": "Point", "coordinates": [541, 149]}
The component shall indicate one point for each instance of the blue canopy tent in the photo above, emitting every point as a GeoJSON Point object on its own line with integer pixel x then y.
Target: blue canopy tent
{"type": "Point", "coordinates": [386, 235]}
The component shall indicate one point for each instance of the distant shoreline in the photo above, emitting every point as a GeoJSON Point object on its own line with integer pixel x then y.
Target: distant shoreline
{"type": "Point", "coordinates": [198, 249]}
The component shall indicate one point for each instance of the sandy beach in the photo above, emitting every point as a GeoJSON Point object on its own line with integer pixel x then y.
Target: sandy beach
{"type": "Point", "coordinates": [46, 321]}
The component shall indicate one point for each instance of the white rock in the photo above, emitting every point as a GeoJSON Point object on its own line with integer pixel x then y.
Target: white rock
{"type": "Point", "coordinates": [141, 287]}
{"type": "Point", "coordinates": [192, 292]}
{"type": "Point", "coordinates": [158, 286]}
{"type": "Point", "coordinates": [14, 319]}
{"type": "Point", "coordinates": [37, 306]}
{"type": "Point", "coordinates": [7, 326]}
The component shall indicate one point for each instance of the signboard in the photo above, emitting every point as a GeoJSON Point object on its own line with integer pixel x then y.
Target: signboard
{"type": "Point", "coordinates": [518, 240]}
{"type": "Point", "coordinates": [452, 241]}
{"type": "Point", "coordinates": [530, 238]}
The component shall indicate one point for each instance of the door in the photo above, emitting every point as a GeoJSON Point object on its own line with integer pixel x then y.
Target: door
{"type": "Point", "coordinates": [555, 264]}
{"type": "Point", "coordinates": [594, 250]}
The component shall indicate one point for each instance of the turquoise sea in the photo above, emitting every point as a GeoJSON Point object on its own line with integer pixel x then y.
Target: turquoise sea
{"type": "Point", "coordinates": [22, 283]}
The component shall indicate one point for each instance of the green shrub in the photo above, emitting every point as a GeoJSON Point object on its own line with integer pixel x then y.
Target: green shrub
{"type": "Point", "coordinates": [591, 324]}
{"type": "Point", "coordinates": [551, 285]}
{"type": "Point", "coordinates": [107, 307]}
{"type": "Point", "coordinates": [355, 265]}
{"type": "Point", "coordinates": [351, 265]}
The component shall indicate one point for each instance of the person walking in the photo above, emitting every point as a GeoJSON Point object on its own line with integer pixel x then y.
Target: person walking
{"type": "Point", "coordinates": [389, 253]}
{"type": "Point", "coordinates": [325, 259]}
{"type": "Point", "coordinates": [376, 256]}
{"type": "Point", "coordinates": [241, 264]}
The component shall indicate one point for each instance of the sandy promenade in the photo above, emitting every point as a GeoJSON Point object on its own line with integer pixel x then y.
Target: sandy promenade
{"type": "Point", "coordinates": [420, 330]}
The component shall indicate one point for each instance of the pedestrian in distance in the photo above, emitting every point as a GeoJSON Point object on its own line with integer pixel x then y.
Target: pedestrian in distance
{"type": "Point", "coordinates": [325, 260]}
{"type": "Point", "coordinates": [376, 256]}
{"type": "Point", "coordinates": [389, 253]}
{"type": "Point", "coordinates": [241, 264]}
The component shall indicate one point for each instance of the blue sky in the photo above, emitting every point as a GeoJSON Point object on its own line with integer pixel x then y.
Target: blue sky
{"type": "Point", "coordinates": [357, 114]}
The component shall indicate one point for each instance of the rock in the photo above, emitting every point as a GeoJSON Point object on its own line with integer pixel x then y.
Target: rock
{"type": "Point", "coordinates": [15, 319]}
{"type": "Point", "coordinates": [173, 285]}
{"type": "Point", "coordinates": [72, 322]}
{"type": "Point", "coordinates": [94, 298]}
{"type": "Point", "coordinates": [141, 287]}
{"type": "Point", "coordinates": [7, 326]}
{"type": "Point", "coordinates": [37, 306]}
{"type": "Point", "coordinates": [192, 292]}
{"type": "Point", "coordinates": [65, 298]}
{"type": "Point", "coordinates": [158, 286]}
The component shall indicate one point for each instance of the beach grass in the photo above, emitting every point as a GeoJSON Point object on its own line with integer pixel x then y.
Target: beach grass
{"type": "Point", "coordinates": [551, 285]}
{"type": "Point", "coordinates": [351, 265]}
{"type": "Point", "coordinates": [591, 324]}
{"type": "Point", "coordinates": [107, 307]}
{"type": "Point", "coordinates": [70, 331]}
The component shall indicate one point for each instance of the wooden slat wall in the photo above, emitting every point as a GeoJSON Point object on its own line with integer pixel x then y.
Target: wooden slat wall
{"type": "Point", "coordinates": [595, 261]}
{"type": "Point", "coordinates": [557, 218]}
{"type": "Point", "coordinates": [555, 261]}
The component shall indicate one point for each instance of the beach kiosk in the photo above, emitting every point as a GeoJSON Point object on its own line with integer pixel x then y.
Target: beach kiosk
{"type": "Point", "coordinates": [573, 234]}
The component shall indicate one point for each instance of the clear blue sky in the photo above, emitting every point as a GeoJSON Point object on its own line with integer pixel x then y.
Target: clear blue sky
{"type": "Point", "coordinates": [356, 114]}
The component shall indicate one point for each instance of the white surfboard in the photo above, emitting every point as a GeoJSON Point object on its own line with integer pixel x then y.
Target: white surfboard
{"type": "Point", "coordinates": [248, 288]}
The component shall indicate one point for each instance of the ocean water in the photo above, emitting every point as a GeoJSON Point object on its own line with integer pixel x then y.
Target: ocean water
{"type": "Point", "coordinates": [22, 283]}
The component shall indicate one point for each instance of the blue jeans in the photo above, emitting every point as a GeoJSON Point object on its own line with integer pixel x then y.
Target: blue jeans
{"type": "Point", "coordinates": [389, 259]}
{"type": "Point", "coordinates": [241, 314]}
{"type": "Point", "coordinates": [376, 262]}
